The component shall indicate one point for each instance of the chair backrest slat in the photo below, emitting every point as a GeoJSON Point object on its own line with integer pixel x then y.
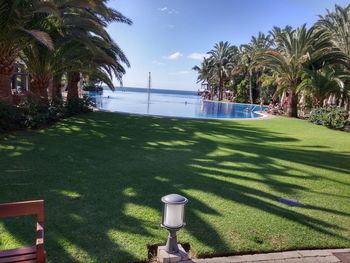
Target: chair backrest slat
{"type": "Point", "coordinates": [35, 207]}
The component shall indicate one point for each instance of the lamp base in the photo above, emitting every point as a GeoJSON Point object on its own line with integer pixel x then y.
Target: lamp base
{"type": "Point", "coordinates": [171, 244]}
{"type": "Point", "coordinates": [164, 257]}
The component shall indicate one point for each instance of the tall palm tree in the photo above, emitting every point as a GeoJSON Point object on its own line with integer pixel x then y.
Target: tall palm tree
{"type": "Point", "coordinates": [297, 50]}
{"type": "Point", "coordinates": [101, 62]}
{"type": "Point", "coordinates": [337, 24]}
{"type": "Point", "coordinates": [82, 45]}
{"type": "Point", "coordinates": [249, 54]}
{"type": "Point", "coordinates": [110, 60]}
{"type": "Point", "coordinates": [222, 59]}
{"type": "Point", "coordinates": [19, 23]}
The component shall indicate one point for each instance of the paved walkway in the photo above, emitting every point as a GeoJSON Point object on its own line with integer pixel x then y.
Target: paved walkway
{"type": "Point", "coordinates": [297, 256]}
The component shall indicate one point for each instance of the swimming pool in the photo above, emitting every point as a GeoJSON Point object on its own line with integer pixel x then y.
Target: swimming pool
{"type": "Point", "coordinates": [171, 105]}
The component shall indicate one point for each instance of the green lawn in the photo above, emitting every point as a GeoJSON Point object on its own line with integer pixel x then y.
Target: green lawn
{"type": "Point", "coordinates": [102, 176]}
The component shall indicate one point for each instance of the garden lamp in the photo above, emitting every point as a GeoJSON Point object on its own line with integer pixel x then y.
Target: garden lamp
{"type": "Point", "coordinates": [173, 219]}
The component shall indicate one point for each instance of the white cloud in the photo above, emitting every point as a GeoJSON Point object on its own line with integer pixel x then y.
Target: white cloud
{"type": "Point", "coordinates": [181, 72]}
{"type": "Point", "coordinates": [163, 8]}
{"type": "Point", "coordinates": [158, 63]}
{"type": "Point", "coordinates": [174, 56]}
{"type": "Point", "coordinates": [198, 56]}
{"type": "Point", "coordinates": [168, 10]}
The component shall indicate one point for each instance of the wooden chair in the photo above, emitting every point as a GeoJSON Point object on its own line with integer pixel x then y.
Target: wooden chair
{"type": "Point", "coordinates": [28, 254]}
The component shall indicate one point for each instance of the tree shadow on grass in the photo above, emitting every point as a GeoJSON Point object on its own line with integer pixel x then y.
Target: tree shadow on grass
{"type": "Point", "coordinates": [102, 176]}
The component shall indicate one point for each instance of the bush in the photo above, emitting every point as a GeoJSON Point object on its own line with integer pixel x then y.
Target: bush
{"type": "Point", "coordinates": [317, 116]}
{"type": "Point", "coordinates": [77, 106]}
{"type": "Point", "coordinates": [10, 117]}
{"type": "Point", "coordinates": [242, 91]}
{"type": "Point", "coordinates": [32, 114]}
{"type": "Point", "coordinates": [335, 118]}
{"type": "Point", "coordinates": [240, 100]}
{"type": "Point", "coordinates": [56, 110]}
{"type": "Point", "coordinates": [332, 117]}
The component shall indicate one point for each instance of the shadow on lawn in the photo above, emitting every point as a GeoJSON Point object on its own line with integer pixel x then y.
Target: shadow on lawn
{"type": "Point", "coordinates": [102, 165]}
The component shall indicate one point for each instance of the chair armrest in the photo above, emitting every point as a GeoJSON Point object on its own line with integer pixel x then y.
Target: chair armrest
{"type": "Point", "coordinates": [40, 250]}
{"type": "Point", "coordinates": [39, 234]}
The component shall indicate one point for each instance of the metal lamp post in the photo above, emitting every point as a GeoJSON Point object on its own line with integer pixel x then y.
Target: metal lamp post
{"type": "Point", "coordinates": [173, 219]}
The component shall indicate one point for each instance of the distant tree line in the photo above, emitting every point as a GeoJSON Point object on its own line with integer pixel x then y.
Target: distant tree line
{"type": "Point", "coordinates": [308, 67]}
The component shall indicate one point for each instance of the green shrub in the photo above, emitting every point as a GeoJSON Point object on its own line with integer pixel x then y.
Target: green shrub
{"type": "Point", "coordinates": [335, 118]}
{"type": "Point", "coordinates": [242, 95]}
{"type": "Point", "coordinates": [56, 110]}
{"type": "Point", "coordinates": [240, 100]}
{"type": "Point", "coordinates": [31, 113]}
{"type": "Point", "coordinates": [332, 117]}
{"type": "Point", "coordinates": [10, 117]}
{"type": "Point", "coordinates": [317, 116]}
{"type": "Point", "coordinates": [78, 106]}
{"type": "Point", "coordinates": [34, 113]}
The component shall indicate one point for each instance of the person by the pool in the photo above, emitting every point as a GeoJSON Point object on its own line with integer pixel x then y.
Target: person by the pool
{"type": "Point", "coordinates": [262, 99]}
{"type": "Point", "coordinates": [271, 105]}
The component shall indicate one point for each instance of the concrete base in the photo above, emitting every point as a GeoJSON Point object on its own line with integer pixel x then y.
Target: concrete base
{"type": "Point", "coordinates": [165, 257]}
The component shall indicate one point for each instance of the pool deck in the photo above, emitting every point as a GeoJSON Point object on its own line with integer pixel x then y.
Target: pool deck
{"type": "Point", "coordinates": [297, 256]}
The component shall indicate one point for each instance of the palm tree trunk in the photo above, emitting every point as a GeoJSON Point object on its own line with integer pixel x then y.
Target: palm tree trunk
{"type": "Point", "coordinates": [73, 80]}
{"type": "Point", "coordinates": [56, 87]}
{"type": "Point", "coordinates": [7, 68]}
{"type": "Point", "coordinates": [292, 109]}
{"type": "Point", "coordinates": [39, 86]}
{"type": "Point", "coordinates": [347, 106]}
{"type": "Point", "coordinates": [221, 84]}
{"type": "Point", "coordinates": [5, 87]}
{"type": "Point", "coordinates": [250, 87]}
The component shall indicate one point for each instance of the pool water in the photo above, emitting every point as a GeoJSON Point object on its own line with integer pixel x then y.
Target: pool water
{"type": "Point", "coordinates": [170, 105]}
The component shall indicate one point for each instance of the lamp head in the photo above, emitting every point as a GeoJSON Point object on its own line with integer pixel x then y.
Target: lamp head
{"type": "Point", "coordinates": [174, 211]}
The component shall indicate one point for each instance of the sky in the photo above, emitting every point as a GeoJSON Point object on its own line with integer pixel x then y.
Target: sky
{"type": "Point", "coordinates": [169, 37]}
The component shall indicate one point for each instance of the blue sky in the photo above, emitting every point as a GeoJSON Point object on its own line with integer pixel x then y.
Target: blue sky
{"type": "Point", "coordinates": [168, 37]}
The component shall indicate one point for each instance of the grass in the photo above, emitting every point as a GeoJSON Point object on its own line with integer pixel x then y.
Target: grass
{"type": "Point", "coordinates": [102, 176]}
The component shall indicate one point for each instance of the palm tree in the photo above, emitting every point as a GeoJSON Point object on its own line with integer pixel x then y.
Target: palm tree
{"type": "Point", "coordinates": [249, 54]}
{"type": "Point", "coordinates": [103, 57]}
{"type": "Point", "coordinates": [204, 73]}
{"type": "Point", "coordinates": [222, 60]}
{"type": "Point", "coordinates": [19, 23]}
{"type": "Point", "coordinates": [337, 24]}
{"type": "Point", "coordinates": [322, 83]}
{"type": "Point", "coordinates": [297, 50]}
{"type": "Point", "coordinates": [101, 62]}
{"type": "Point", "coordinates": [38, 61]}
{"type": "Point", "coordinates": [82, 46]}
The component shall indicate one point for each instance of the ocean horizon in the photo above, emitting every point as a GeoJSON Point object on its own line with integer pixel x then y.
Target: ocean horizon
{"type": "Point", "coordinates": [154, 90]}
